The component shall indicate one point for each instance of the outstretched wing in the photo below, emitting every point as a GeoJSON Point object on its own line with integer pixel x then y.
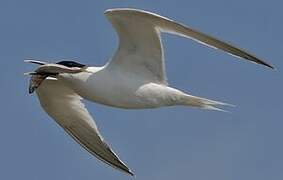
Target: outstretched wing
{"type": "Point", "coordinates": [140, 49]}
{"type": "Point", "coordinates": [66, 108]}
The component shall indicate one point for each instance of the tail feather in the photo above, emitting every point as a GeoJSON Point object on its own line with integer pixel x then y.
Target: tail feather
{"type": "Point", "coordinates": [204, 103]}
{"type": "Point", "coordinates": [210, 107]}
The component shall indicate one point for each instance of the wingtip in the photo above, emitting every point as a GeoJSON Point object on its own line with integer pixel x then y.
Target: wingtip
{"type": "Point", "coordinates": [126, 170]}
{"type": "Point", "coordinates": [131, 173]}
{"type": "Point", "coordinates": [272, 67]}
{"type": "Point", "coordinates": [267, 65]}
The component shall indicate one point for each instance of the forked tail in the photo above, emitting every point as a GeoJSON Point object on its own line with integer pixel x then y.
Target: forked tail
{"type": "Point", "coordinates": [204, 103]}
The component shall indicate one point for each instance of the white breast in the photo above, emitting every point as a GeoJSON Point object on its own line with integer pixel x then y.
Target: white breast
{"type": "Point", "coordinates": [109, 88]}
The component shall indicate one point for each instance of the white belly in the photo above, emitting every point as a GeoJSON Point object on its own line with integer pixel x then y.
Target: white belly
{"type": "Point", "coordinates": [119, 90]}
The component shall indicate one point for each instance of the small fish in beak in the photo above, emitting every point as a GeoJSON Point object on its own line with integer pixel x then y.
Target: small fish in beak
{"type": "Point", "coordinates": [50, 69]}
{"type": "Point", "coordinates": [35, 82]}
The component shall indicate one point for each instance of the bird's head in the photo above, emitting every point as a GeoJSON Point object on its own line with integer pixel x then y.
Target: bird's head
{"type": "Point", "coordinates": [71, 67]}
{"type": "Point", "coordinates": [52, 69]}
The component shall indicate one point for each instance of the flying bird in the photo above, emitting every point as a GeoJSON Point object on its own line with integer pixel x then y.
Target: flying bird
{"type": "Point", "coordinates": [134, 78]}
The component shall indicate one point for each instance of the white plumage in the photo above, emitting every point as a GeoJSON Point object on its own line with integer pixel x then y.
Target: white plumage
{"type": "Point", "coordinates": [134, 78]}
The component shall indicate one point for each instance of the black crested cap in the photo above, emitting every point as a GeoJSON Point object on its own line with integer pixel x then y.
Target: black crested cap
{"type": "Point", "coordinates": [71, 64]}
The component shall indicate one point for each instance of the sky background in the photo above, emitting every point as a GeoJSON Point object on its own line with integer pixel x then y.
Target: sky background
{"type": "Point", "coordinates": [158, 144]}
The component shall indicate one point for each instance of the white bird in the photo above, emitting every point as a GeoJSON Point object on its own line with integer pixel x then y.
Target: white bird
{"type": "Point", "coordinates": [134, 78]}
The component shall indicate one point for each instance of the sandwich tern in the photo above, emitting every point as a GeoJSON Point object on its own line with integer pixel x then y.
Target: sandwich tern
{"type": "Point", "coordinates": [134, 78]}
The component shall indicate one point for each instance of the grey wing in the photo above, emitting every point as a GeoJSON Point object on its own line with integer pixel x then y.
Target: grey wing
{"type": "Point", "coordinates": [140, 49]}
{"type": "Point", "coordinates": [66, 108]}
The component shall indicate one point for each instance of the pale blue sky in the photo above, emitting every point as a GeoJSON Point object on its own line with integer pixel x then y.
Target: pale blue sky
{"type": "Point", "coordinates": [159, 144]}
